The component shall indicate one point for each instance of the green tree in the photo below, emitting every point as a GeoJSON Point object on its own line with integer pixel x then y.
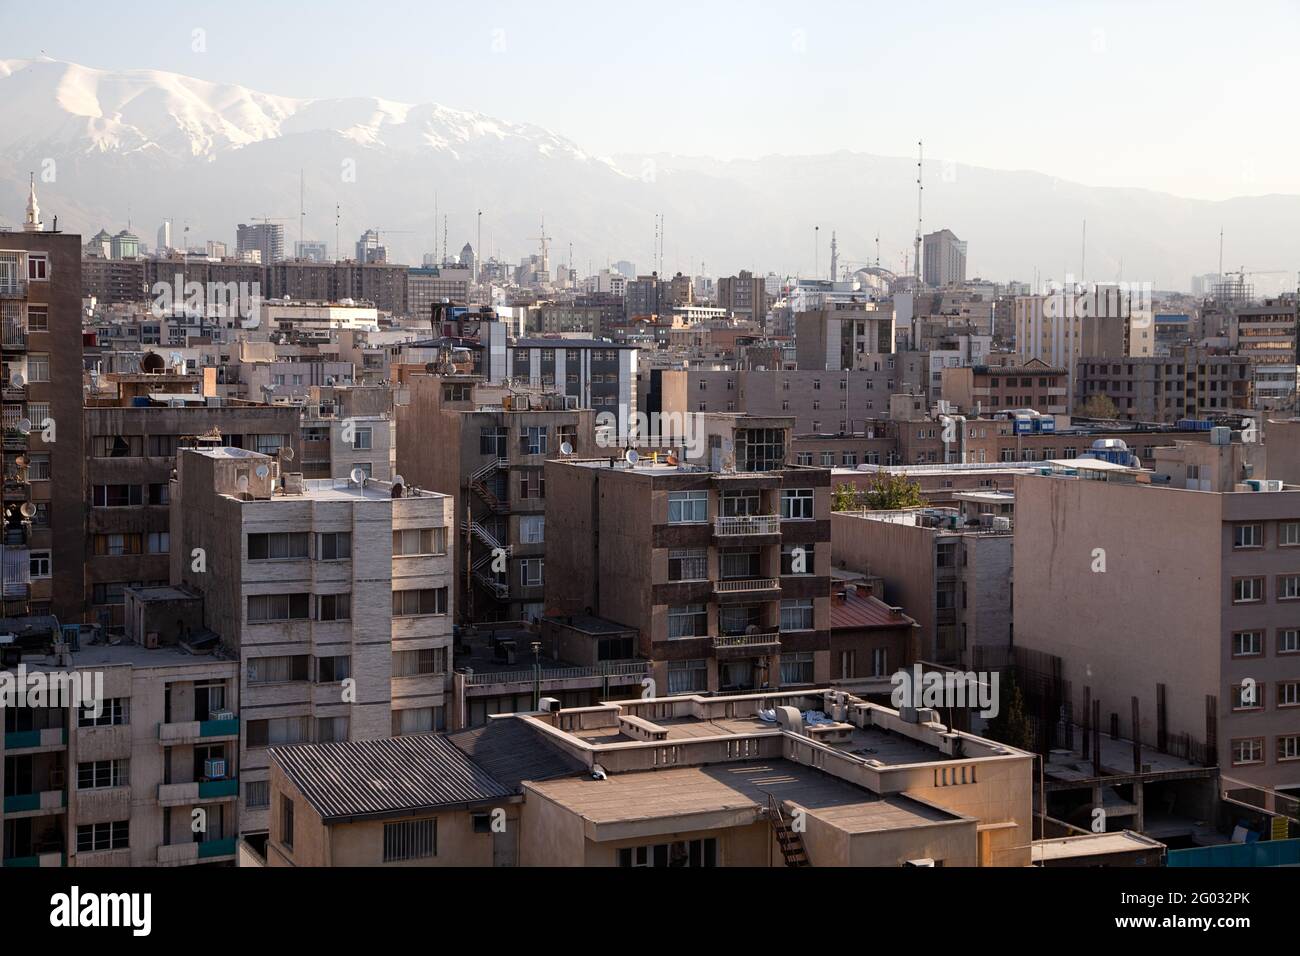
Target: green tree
{"type": "Point", "coordinates": [1098, 406]}
{"type": "Point", "coordinates": [1011, 725]}
{"type": "Point", "coordinates": [889, 492]}
{"type": "Point", "coordinates": [844, 498]}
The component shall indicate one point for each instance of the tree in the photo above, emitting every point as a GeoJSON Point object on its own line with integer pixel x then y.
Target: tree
{"type": "Point", "coordinates": [1098, 406]}
{"type": "Point", "coordinates": [844, 498]}
{"type": "Point", "coordinates": [889, 492]}
{"type": "Point", "coordinates": [1011, 725]}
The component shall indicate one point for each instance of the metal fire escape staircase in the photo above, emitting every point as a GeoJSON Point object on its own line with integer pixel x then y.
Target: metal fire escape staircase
{"type": "Point", "coordinates": [790, 842]}
{"type": "Point", "coordinates": [481, 568]}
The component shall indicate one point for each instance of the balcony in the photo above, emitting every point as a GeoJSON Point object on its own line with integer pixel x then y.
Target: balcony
{"type": "Point", "coordinates": [746, 586]}
{"type": "Point", "coordinates": [737, 526]}
{"type": "Point", "coordinates": [187, 854]}
{"type": "Point", "coordinates": [185, 794]}
{"type": "Point", "coordinates": [45, 802]}
{"type": "Point", "coordinates": [192, 731]}
{"type": "Point", "coordinates": [744, 645]}
{"type": "Point", "coordinates": [51, 738]}
{"type": "Point", "coordinates": [13, 289]}
{"type": "Point", "coordinates": [56, 858]}
{"type": "Point", "coordinates": [555, 678]}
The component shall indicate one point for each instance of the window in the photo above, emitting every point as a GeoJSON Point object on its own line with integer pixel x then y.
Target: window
{"type": "Point", "coordinates": [680, 853]}
{"type": "Point", "coordinates": [686, 507]}
{"type": "Point", "coordinates": [1247, 590]}
{"type": "Point", "coordinates": [532, 529]}
{"type": "Point", "coordinates": [530, 572]}
{"type": "Point", "coordinates": [361, 439]}
{"type": "Point", "coordinates": [116, 496]}
{"type": "Point", "coordinates": [97, 774]}
{"type": "Point", "coordinates": [688, 620]}
{"type": "Point", "coordinates": [410, 840]}
{"type": "Point", "coordinates": [688, 564]}
{"type": "Point", "coordinates": [257, 794]}
{"type": "Point", "coordinates": [38, 266]}
{"type": "Point", "coordinates": [1247, 536]}
{"type": "Point", "coordinates": [1288, 587]}
{"type": "Point", "coordinates": [159, 542]}
{"type": "Point", "coordinates": [278, 670]}
{"type": "Point", "coordinates": [277, 546]}
{"type": "Point", "coordinates": [1248, 644]}
{"type": "Point", "coordinates": [103, 836]}
{"type": "Point", "coordinates": [797, 667]}
{"type": "Point", "coordinates": [1288, 747]}
{"type": "Point", "coordinates": [421, 662]}
{"type": "Point", "coordinates": [417, 601]}
{"type": "Point", "coordinates": [334, 546]}
{"type": "Point", "coordinates": [532, 440]}
{"type": "Point", "coordinates": [797, 504]}
{"type": "Point", "coordinates": [38, 319]}
{"type": "Point", "coordinates": [279, 731]}
{"type": "Point", "coordinates": [38, 367]}
{"type": "Point", "coordinates": [1248, 696]}
{"type": "Point", "coordinates": [286, 821]}
{"type": "Point", "coordinates": [688, 677]}
{"type": "Point", "coordinates": [41, 566]}
{"type": "Point", "coordinates": [334, 607]}
{"type": "Point", "coordinates": [1288, 640]}
{"type": "Point", "coordinates": [492, 441]}
{"type": "Point", "coordinates": [532, 483]}
{"type": "Point", "coordinates": [413, 541]}
{"type": "Point", "coordinates": [1288, 693]}
{"type": "Point", "coordinates": [331, 730]}
{"type": "Point", "coordinates": [879, 661]}
{"type": "Point", "coordinates": [268, 444]}
{"type": "Point", "coordinates": [263, 608]}
{"type": "Point", "coordinates": [1288, 534]}
{"type": "Point", "coordinates": [1248, 750]}
{"type": "Point", "coordinates": [615, 648]}
{"type": "Point", "coordinates": [417, 720]}
{"type": "Point", "coordinates": [797, 559]}
{"type": "Point", "coordinates": [797, 614]}
{"type": "Point", "coordinates": [114, 712]}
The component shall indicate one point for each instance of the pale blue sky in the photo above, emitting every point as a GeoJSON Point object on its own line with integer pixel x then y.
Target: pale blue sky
{"type": "Point", "coordinates": [1190, 98]}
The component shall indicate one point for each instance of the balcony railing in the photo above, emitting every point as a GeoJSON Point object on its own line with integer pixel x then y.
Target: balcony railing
{"type": "Point", "coordinates": [45, 800]}
{"type": "Point", "coordinates": [13, 288]}
{"type": "Point", "coordinates": [730, 641]}
{"type": "Point", "coordinates": [734, 586]}
{"type": "Point", "coordinates": [739, 525]}
{"type": "Point", "coordinates": [627, 669]}
{"type": "Point", "coordinates": [27, 739]}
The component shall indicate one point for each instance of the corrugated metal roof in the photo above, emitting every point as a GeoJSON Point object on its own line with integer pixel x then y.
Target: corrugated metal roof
{"type": "Point", "coordinates": [378, 777]}
{"type": "Point", "coordinates": [860, 610]}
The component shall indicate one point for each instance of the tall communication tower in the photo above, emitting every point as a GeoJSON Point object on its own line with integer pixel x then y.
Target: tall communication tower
{"type": "Point", "coordinates": [916, 256]}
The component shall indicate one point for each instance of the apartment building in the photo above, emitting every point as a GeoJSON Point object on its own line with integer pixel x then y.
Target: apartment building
{"type": "Point", "coordinates": [946, 567]}
{"type": "Point", "coordinates": [1266, 335]}
{"type": "Point", "coordinates": [487, 447]}
{"type": "Point", "coordinates": [744, 296]}
{"type": "Point", "coordinates": [153, 778]}
{"type": "Point", "coordinates": [345, 428]}
{"type": "Point", "coordinates": [684, 781]}
{"type": "Point", "coordinates": [720, 560]}
{"type": "Point", "coordinates": [431, 285]}
{"type": "Point", "coordinates": [1035, 384]}
{"type": "Point", "coordinates": [848, 334]}
{"type": "Point", "coordinates": [1061, 328]}
{"type": "Point", "coordinates": [590, 373]}
{"type": "Point", "coordinates": [132, 440]}
{"type": "Point", "coordinates": [945, 259]}
{"type": "Point", "coordinates": [1182, 586]}
{"type": "Point", "coordinates": [334, 596]}
{"type": "Point", "coordinates": [41, 360]}
{"type": "Point", "coordinates": [1194, 383]}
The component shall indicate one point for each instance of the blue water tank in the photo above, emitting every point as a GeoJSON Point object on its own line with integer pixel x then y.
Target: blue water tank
{"type": "Point", "coordinates": [140, 401]}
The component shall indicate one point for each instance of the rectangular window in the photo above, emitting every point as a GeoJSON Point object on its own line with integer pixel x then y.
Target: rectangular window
{"type": "Point", "coordinates": [331, 730]}
{"type": "Point", "coordinates": [257, 794]}
{"type": "Point", "coordinates": [530, 572]}
{"type": "Point", "coordinates": [414, 602]}
{"type": "Point", "coordinates": [410, 840]}
{"type": "Point", "coordinates": [797, 504]}
{"type": "Point", "coordinates": [97, 774]}
{"type": "Point", "coordinates": [1288, 587]}
{"type": "Point", "coordinates": [1247, 590]}
{"type": "Point", "coordinates": [334, 546]}
{"type": "Point", "coordinates": [419, 541]}
{"type": "Point", "coordinates": [159, 542]}
{"type": "Point", "coordinates": [1247, 536]}
{"type": "Point", "coordinates": [92, 837]}
{"type": "Point", "coordinates": [688, 677]}
{"type": "Point", "coordinates": [40, 564]}
{"type": "Point", "coordinates": [797, 667]}
{"type": "Point", "coordinates": [1288, 640]}
{"type": "Point", "coordinates": [417, 720]}
{"type": "Point", "coordinates": [1248, 696]}
{"type": "Point", "coordinates": [113, 712]}
{"type": "Point", "coordinates": [333, 607]}
{"type": "Point", "coordinates": [688, 507]}
{"type": "Point", "coordinates": [116, 496]}
{"type": "Point", "coordinates": [1248, 750]}
{"type": "Point", "coordinates": [1248, 644]}
{"type": "Point", "coordinates": [1288, 534]}
{"type": "Point", "coordinates": [279, 731]}
{"type": "Point", "coordinates": [532, 529]}
{"type": "Point", "coordinates": [286, 821]}
{"type": "Point", "coordinates": [797, 614]}
{"type": "Point", "coordinates": [1288, 693]}
{"type": "Point", "coordinates": [688, 620]}
{"type": "Point", "coordinates": [38, 367]}
{"type": "Point", "coordinates": [331, 670]}
{"type": "Point", "coordinates": [532, 440]}
{"type": "Point", "coordinates": [278, 670]}
{"type": "Point", "coordinates": [277, 546]}
{"type": "Point", "coordinates": [264, 608]}
{"type": "Point", "coordinates": [797, 559]}
{"type": "Point", "coordinates": [361, 439]}
{"type": "Point", "coordinates": [421, 662]}
{"type": "Point", "coordinates": [688, 564]}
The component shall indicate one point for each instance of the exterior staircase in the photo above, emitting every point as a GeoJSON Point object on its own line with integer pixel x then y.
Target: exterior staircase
{"type": "Point", "coordinates": [790, 842]}
{"type": "Point", "coordinates": [478, 484]}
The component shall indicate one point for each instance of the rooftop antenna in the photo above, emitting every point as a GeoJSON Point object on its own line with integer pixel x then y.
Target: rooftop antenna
{"type": "Point", "coordinates": [877, 249]}
{"type": "Point", "coordinates": [817, 264]}
{"type": "Point", "coordinates": [1083, 252]}
{"type": "Point", "coordinates": [478, 248]}
{"type": "Point", "coordinates": [920, 188]}
{"type": "Point", "coordinates": [835, 257]}
{"type": "Point", "coordinates": [444, 237]}
{"type": "Point", "coordinates": [302, 212]}
{"type": "Point", "coordinates": [337, 217]}
{"type": "Point", "coordinates": [544, 239]}
{"type": "Point", "coordinates": [1220, 252]}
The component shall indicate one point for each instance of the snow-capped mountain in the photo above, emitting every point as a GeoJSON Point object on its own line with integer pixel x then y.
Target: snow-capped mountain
{"type": "Point", "coordinates": [144, 145]}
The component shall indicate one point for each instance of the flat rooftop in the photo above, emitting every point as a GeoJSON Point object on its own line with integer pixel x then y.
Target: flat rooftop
{"type": "Point", "coordinates": [1092, 844]}
{"type": "Point", "coordinates": [745, 786]}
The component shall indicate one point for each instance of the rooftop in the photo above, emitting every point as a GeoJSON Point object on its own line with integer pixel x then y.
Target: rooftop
{"type": "Point", "coordinates": [861, 610]}
{"type": "Point", "coordinates": [389, 776]}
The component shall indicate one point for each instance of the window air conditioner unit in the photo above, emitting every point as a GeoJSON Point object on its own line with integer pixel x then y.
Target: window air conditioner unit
{"type": "Point", "coordinates": [214, 769]}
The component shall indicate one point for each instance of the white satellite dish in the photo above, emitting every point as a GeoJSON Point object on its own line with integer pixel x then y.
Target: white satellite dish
{"type": "Point", "coordinates": [286, 453]}
{"type": "Point", "coordinates": [16, 380]}
{"type": "Point", "coordinates": [631, 457]}
{"type": "Point", "coordinates": [25, 425]}
{"type": "Point", "coordinates": [399, 480]}
{"type": "Point", "coordinates": [28, 509]}
{"type": "Point", "coordinates": [566, 448]}
{"type": "Point", "coordinates": [263, 471]}
{"type": "Point", "coordinates": [358, 476]}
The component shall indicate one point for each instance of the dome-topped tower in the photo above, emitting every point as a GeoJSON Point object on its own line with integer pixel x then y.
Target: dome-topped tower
{"type": "Point", "coordinates": [33, 223]}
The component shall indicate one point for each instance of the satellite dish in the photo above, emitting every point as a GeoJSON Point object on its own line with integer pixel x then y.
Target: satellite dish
{"type": "Point", "coordinates": [399, 480]}
{"type": "Point", "coordinates": [263, 471]}
{"type": "Point", "coordinates": [631, 457]}
{"type": "Point", "coordinates": [25, 425]}
{"type": "Point", "coordinates": [358, 476]}
{"type": "Point", "coordinates": [28, 509]}
{"type": "Point", "coordinates": [16, 380]}
{"type": "Point", "coordinates": [286, 453]}
{"type": "Point", "coordinates": [242, 483]}
{"type": "Point", "coordinates": [566, 448]}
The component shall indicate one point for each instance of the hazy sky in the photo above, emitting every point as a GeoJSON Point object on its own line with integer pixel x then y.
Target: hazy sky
{"type": "Point", "coordinates": [1190, 98]}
